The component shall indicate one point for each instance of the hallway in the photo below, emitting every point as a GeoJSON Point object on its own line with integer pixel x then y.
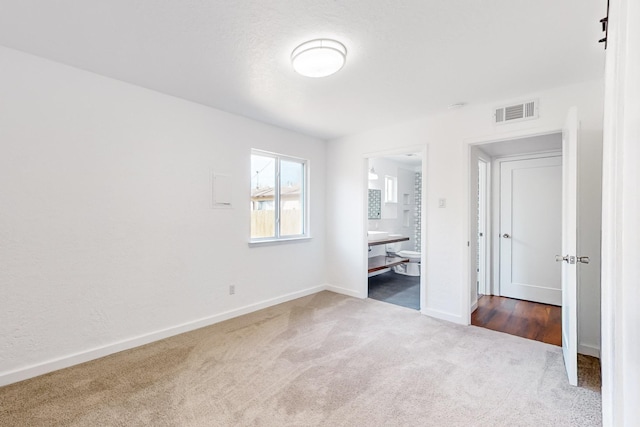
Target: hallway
{"type": "Point", "coordinates": [532, 320]}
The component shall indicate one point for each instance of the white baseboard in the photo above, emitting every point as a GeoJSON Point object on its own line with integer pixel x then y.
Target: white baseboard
{"type": "Point", "coordinates": [589, 350]}
{"type": "Point", "coordinates": [449, 317]}
{"type": "Point", "coordinates": [474, 306]}
{"type": "Point", "coordinates": [95, 353]}
{"type": "Point", "coordinates": [344, 291]}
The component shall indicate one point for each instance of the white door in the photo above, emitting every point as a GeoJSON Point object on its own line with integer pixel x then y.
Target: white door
{"type": "Point", "coordinates": [530, 229]}
{"type": "Point", "coordinates": [569, 245]}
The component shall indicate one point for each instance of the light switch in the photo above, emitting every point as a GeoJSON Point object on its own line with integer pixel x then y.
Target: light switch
{"type": "Point", "coordinates": [221, 191]}
{"type": "Point", "coordinates": [442, 203]}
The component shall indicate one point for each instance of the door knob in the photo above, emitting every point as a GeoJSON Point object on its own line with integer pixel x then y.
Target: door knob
{"type": "Point", "coordinates": [506, 236]}
{"type": "Point", "coordinates": [583, 259]}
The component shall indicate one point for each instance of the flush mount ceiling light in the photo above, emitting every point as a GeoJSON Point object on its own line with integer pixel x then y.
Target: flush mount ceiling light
{"type": "Point", "coordinates": [319, 58]}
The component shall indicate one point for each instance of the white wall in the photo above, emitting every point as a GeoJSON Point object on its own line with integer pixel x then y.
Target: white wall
{"type": "Point", "coordinates": [107, 235]}
{"type": "Point", "coordinates": [447, 137]}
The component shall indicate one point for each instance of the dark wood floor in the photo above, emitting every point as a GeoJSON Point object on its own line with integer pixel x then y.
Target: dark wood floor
{"type": "Point", "coordinates": [540, 322]}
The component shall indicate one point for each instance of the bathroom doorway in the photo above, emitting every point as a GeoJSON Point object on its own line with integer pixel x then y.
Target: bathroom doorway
{"type": "Point", "coordinates": [395, 228]}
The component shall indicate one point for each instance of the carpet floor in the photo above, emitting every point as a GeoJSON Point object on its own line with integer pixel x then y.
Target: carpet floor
{"type": "Point", "coordinates": [396, 289]}
{"type": "Point", "coordinates": [325, 359]}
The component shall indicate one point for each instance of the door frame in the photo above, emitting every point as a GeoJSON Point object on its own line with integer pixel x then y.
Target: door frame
{"type": "Point", "coordinates": [484, 218]}
{"type": "Point", "coordinates": [620, 267]}
{"type": "Point", "coordinates": [423, 150]}
{"type": "Point", "coordinates": [465, 296]}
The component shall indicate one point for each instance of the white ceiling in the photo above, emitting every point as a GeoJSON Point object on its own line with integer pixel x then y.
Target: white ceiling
{"type": "Point", "coordinates": [405, 58]}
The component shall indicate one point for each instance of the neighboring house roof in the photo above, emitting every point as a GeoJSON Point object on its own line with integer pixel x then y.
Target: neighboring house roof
{"type": "Point", "coordinates": [268, 193]}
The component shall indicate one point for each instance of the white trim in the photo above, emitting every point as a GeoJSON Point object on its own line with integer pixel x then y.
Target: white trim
{"type": "Point", "coordinates": [363, 287]}
{"type": "Point", "coordinates": [489, 239]}
{"type": "Point", "coordinates": [494, 287]}
{"type": "Point", "coordinates": [508, 136]}
{"type": "Point", "coordinates": [424, 229]}
{"type": "Point", "coordinates": [620, 211]}
{"type": "Point", "coordinates": [21, 374]}
{"type": "Point", "coordinates": [483, 218]}
{"type": "Point", "coordinates": [589, 350]}
{"type": "Point", "coordinates": [345, 291]}
{"type": "Point", "coordinates": [269, 242]}
{"type": "Point", "coordinates": [442, 315]}
{"type": "Point", "coordinates": [611, 359]}
{"type": "Point", "coordinates": [474, 306]}
{"type": "Point", "coordinates": [528, 156]}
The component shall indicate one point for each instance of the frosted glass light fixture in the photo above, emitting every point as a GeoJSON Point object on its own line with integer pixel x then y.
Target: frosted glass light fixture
{"type": "Point", "coordinates": [372, 174]}
{"type": "Point", "coordinates": [319, 57]}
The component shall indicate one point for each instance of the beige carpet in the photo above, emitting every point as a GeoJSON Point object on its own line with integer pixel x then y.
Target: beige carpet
{"type": "Point", "coordinates": [325, 359]}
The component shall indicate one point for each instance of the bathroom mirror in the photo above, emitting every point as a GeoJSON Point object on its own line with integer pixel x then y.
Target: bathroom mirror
{"type": "Point", "coordinates": [375, 203]}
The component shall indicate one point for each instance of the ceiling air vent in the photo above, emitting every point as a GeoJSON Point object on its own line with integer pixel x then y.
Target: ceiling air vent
{"type": "Point", "coordinates": [516, 113]}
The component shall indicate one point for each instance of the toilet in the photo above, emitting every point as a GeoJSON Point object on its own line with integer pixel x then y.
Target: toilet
{"type": "Point", "coordinates": [411, 268]}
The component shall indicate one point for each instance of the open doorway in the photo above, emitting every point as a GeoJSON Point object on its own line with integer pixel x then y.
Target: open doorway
{"type": "Point", "coordinates": [517, 224]}
{"type": "Point", "coordinates": [514, 263]}
{"type": "Point", "coordinates": [394, 218]}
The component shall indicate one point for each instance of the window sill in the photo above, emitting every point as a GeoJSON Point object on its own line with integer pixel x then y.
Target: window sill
{"type": "Point", "coordinates": [272, 242]}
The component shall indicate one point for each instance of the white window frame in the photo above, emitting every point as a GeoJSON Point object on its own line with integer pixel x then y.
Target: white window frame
{"type": "Point", "coordinates": [390, 189]}
{"type": "Point", "coordinates": [304, 189]}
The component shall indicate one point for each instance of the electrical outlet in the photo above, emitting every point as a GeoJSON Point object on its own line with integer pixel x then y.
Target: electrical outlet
{"type": "Point", "coordinates": [232, 289]}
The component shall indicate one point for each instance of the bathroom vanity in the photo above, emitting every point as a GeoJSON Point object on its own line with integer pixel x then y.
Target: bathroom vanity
{"type": "Point", "coordinates": [381, 262]}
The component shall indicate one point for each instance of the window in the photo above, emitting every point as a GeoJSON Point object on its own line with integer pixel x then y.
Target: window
{"type": "Point", "coordinates": [278, 197]}
{"type": "Point", "coordinates": [390, 189]}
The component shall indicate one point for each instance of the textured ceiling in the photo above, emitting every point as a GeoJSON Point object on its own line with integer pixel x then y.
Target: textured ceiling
{"type": "Point", "coordinates": [405, 58]}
